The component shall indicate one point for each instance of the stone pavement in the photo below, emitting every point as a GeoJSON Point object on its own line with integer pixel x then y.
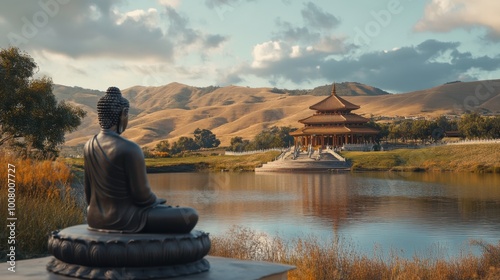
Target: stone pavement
{"type": "Point", "coordinates": [220, 269]}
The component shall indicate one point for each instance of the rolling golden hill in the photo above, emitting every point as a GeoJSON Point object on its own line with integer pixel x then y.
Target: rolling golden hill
{"type": "Point", "coordinates": [174, 110]}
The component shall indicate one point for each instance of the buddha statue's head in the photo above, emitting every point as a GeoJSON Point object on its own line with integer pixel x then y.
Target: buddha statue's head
{"type": "Point", "coordinates": [112, 110]}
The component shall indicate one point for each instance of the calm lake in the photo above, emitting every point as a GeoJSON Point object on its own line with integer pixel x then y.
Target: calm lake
{"type": "Point", "coordinates": [428, 214]}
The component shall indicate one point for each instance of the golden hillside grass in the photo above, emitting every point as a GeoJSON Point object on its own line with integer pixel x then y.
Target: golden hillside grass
{"type": "Point", "coordinates": [335, 259]}
{"type": "Point", "coordinates": [43, 204]}
{"type": "Point", "coordinates": [468, 158]}
{"type": "Point", "coordinates": [166, 112]}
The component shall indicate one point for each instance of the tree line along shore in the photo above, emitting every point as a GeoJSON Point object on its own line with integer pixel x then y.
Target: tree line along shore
{"type": "Point", "coordinates": [481, 158]}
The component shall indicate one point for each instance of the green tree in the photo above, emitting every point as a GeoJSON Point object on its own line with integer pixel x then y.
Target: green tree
{"type": "Point", "coordinates": [238, 144]}
{"type": "Point", "coordinates": [405, 130]}
{"type": "Point", "coordinates": [492, 125]}
{"type": "Point", "coordinates": [274, 137]}
{"type": "Point", "coordinates": [30, 117]}
{"type": "Point", "coordinates": [423, 130]}
{"type": "Point", "coordinates": [473, 126]}
{"type": "Point", "coordinates": [184, 144]}
{"type": "Point", "coordinates": [205, 138]}
{"type": "Point", "coordinates": [394, 132]}
{"type": "Point", "coordinates": [382, 128]}
{"type": "Point", "coordinates": [442, 125]}
{"type": "Point", "coordinates": [163, 146]}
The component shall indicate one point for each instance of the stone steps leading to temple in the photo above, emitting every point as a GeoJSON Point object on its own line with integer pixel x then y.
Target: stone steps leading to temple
{"type": "Point", "coordinates": [317, 162]}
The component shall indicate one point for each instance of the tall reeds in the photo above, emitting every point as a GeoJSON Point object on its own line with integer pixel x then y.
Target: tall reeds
{"type": "Point", "coordinates": [337, 259]}
{"type": "Point", "coordinates": [43, 203]}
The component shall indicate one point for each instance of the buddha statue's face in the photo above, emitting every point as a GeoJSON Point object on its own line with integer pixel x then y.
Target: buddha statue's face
{"type": "Point", "coordinates": [112, 110]}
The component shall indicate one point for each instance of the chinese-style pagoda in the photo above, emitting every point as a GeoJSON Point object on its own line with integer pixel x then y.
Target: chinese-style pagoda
{"type": "Point", "coordinates": [334, 125]}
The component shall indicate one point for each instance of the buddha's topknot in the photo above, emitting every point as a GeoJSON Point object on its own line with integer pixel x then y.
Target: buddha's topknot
{"type": "Point", "coordinates": [110, 106]}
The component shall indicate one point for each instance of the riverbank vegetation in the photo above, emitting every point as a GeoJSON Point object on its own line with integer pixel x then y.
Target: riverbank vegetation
{"type": "Point", "coordinates": [482, 158]}
{"type": "Point", "coordinates": [336, 259]}
{"type": "Point", "coordinates": [42, 203]}
{"type": "Point", "coordinates": [191, 162]}
{"type": "Point", "coordinates": [469, 126]}
{"type": "Point", "coordinates": [460, 158]}
{"type": "Point", "coordinates": [274, 137]}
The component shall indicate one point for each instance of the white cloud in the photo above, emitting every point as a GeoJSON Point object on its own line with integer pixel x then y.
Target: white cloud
{"type": "Point", "coordinates": [149, 18]}
{"type": "Point", "coordinates": [295, 52]}
{"type": "Point", "coordinates": [400, 69]}
{"type": "Point", "coordinates": [446, 15]}
{"type": "Point", "coordinates": [105, 29]}
{"type": "Point", "coordinates": [330, 44]}
{"type": "Point", "coordinates": [171, 3]}
{"type": "Point", "coordinates": [273, 51]}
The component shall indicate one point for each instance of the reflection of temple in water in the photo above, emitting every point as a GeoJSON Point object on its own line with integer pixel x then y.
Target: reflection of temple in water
{"type": "Point", "coordinates": [334, 201]}
{"type": "Point", "coordinates": [340, 200]}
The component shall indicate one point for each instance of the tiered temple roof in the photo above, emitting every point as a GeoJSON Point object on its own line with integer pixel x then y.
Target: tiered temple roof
{"type": "Point", "coordinates": [334, 103]}
{"type": "Point", "coordinates": [333, 118]}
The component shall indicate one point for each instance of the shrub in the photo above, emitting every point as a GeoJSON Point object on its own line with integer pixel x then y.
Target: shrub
{"type": "Point", "coordinates": [44, 202]}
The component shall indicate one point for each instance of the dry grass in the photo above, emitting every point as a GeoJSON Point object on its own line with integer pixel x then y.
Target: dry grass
{"type": "Point", "coordinates": [467, 158]}
{"type": "Point", "coordinates": [43, 203]}
{"type": "Point", "coordinates": [197, 162]}
{"type": "Point", "coordinates": [335, 259]}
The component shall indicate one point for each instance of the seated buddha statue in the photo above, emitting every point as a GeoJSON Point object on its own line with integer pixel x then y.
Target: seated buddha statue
{"type": "Point", "coordinates": [117, 190]}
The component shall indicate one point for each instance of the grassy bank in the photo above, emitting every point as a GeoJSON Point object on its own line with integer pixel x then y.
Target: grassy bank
{"type": "Point", "coordinates": [460, 158]}
{"type": "Point", "coordinates": [320, 259]}
{"type": "Point", "coordinates": [199, 163]}
{"type": "Point", "coordinates": [42, 204]}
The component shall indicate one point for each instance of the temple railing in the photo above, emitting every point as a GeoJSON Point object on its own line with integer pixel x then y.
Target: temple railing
{"type": "Point", "coordinates": [472, 141]}
{"type": "Point", "coordinates": [333, 153]}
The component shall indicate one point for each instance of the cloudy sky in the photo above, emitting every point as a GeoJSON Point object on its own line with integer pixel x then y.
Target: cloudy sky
{"type": "Point", "coordinates": [396, 45]}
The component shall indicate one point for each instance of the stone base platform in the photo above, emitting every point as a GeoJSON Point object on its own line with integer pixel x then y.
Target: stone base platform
{"type": "Point", "coordinates": [220, 269]}
{"type": "Point", "coordinates": [324, 162]}
{"type": "Point", "coordinates": [88, 254]}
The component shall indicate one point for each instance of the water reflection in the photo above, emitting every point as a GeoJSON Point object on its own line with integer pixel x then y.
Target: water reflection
{"type": "Point", "coordinates": [412, 211]}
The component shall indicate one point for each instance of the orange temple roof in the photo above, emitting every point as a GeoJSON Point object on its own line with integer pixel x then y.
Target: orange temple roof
{"type": "Point", "coordinates": [324, 130]}
{"type": "Point", "coordinates": [334, 103]}
{"type": "Point", "coordinates": [329, 119]}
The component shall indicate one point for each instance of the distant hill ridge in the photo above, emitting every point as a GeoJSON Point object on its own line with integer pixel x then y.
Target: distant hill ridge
{"type": "Point", "coordinates": [342, 89]}
{"type": "Point", "coordinates": [174, 110]}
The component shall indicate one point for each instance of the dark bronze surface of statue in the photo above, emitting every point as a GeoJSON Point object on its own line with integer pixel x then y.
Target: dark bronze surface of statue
{"type": "Point", "coordinates": [131, 234]}
{"type": "Point", "coordinates": [117, 191]}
